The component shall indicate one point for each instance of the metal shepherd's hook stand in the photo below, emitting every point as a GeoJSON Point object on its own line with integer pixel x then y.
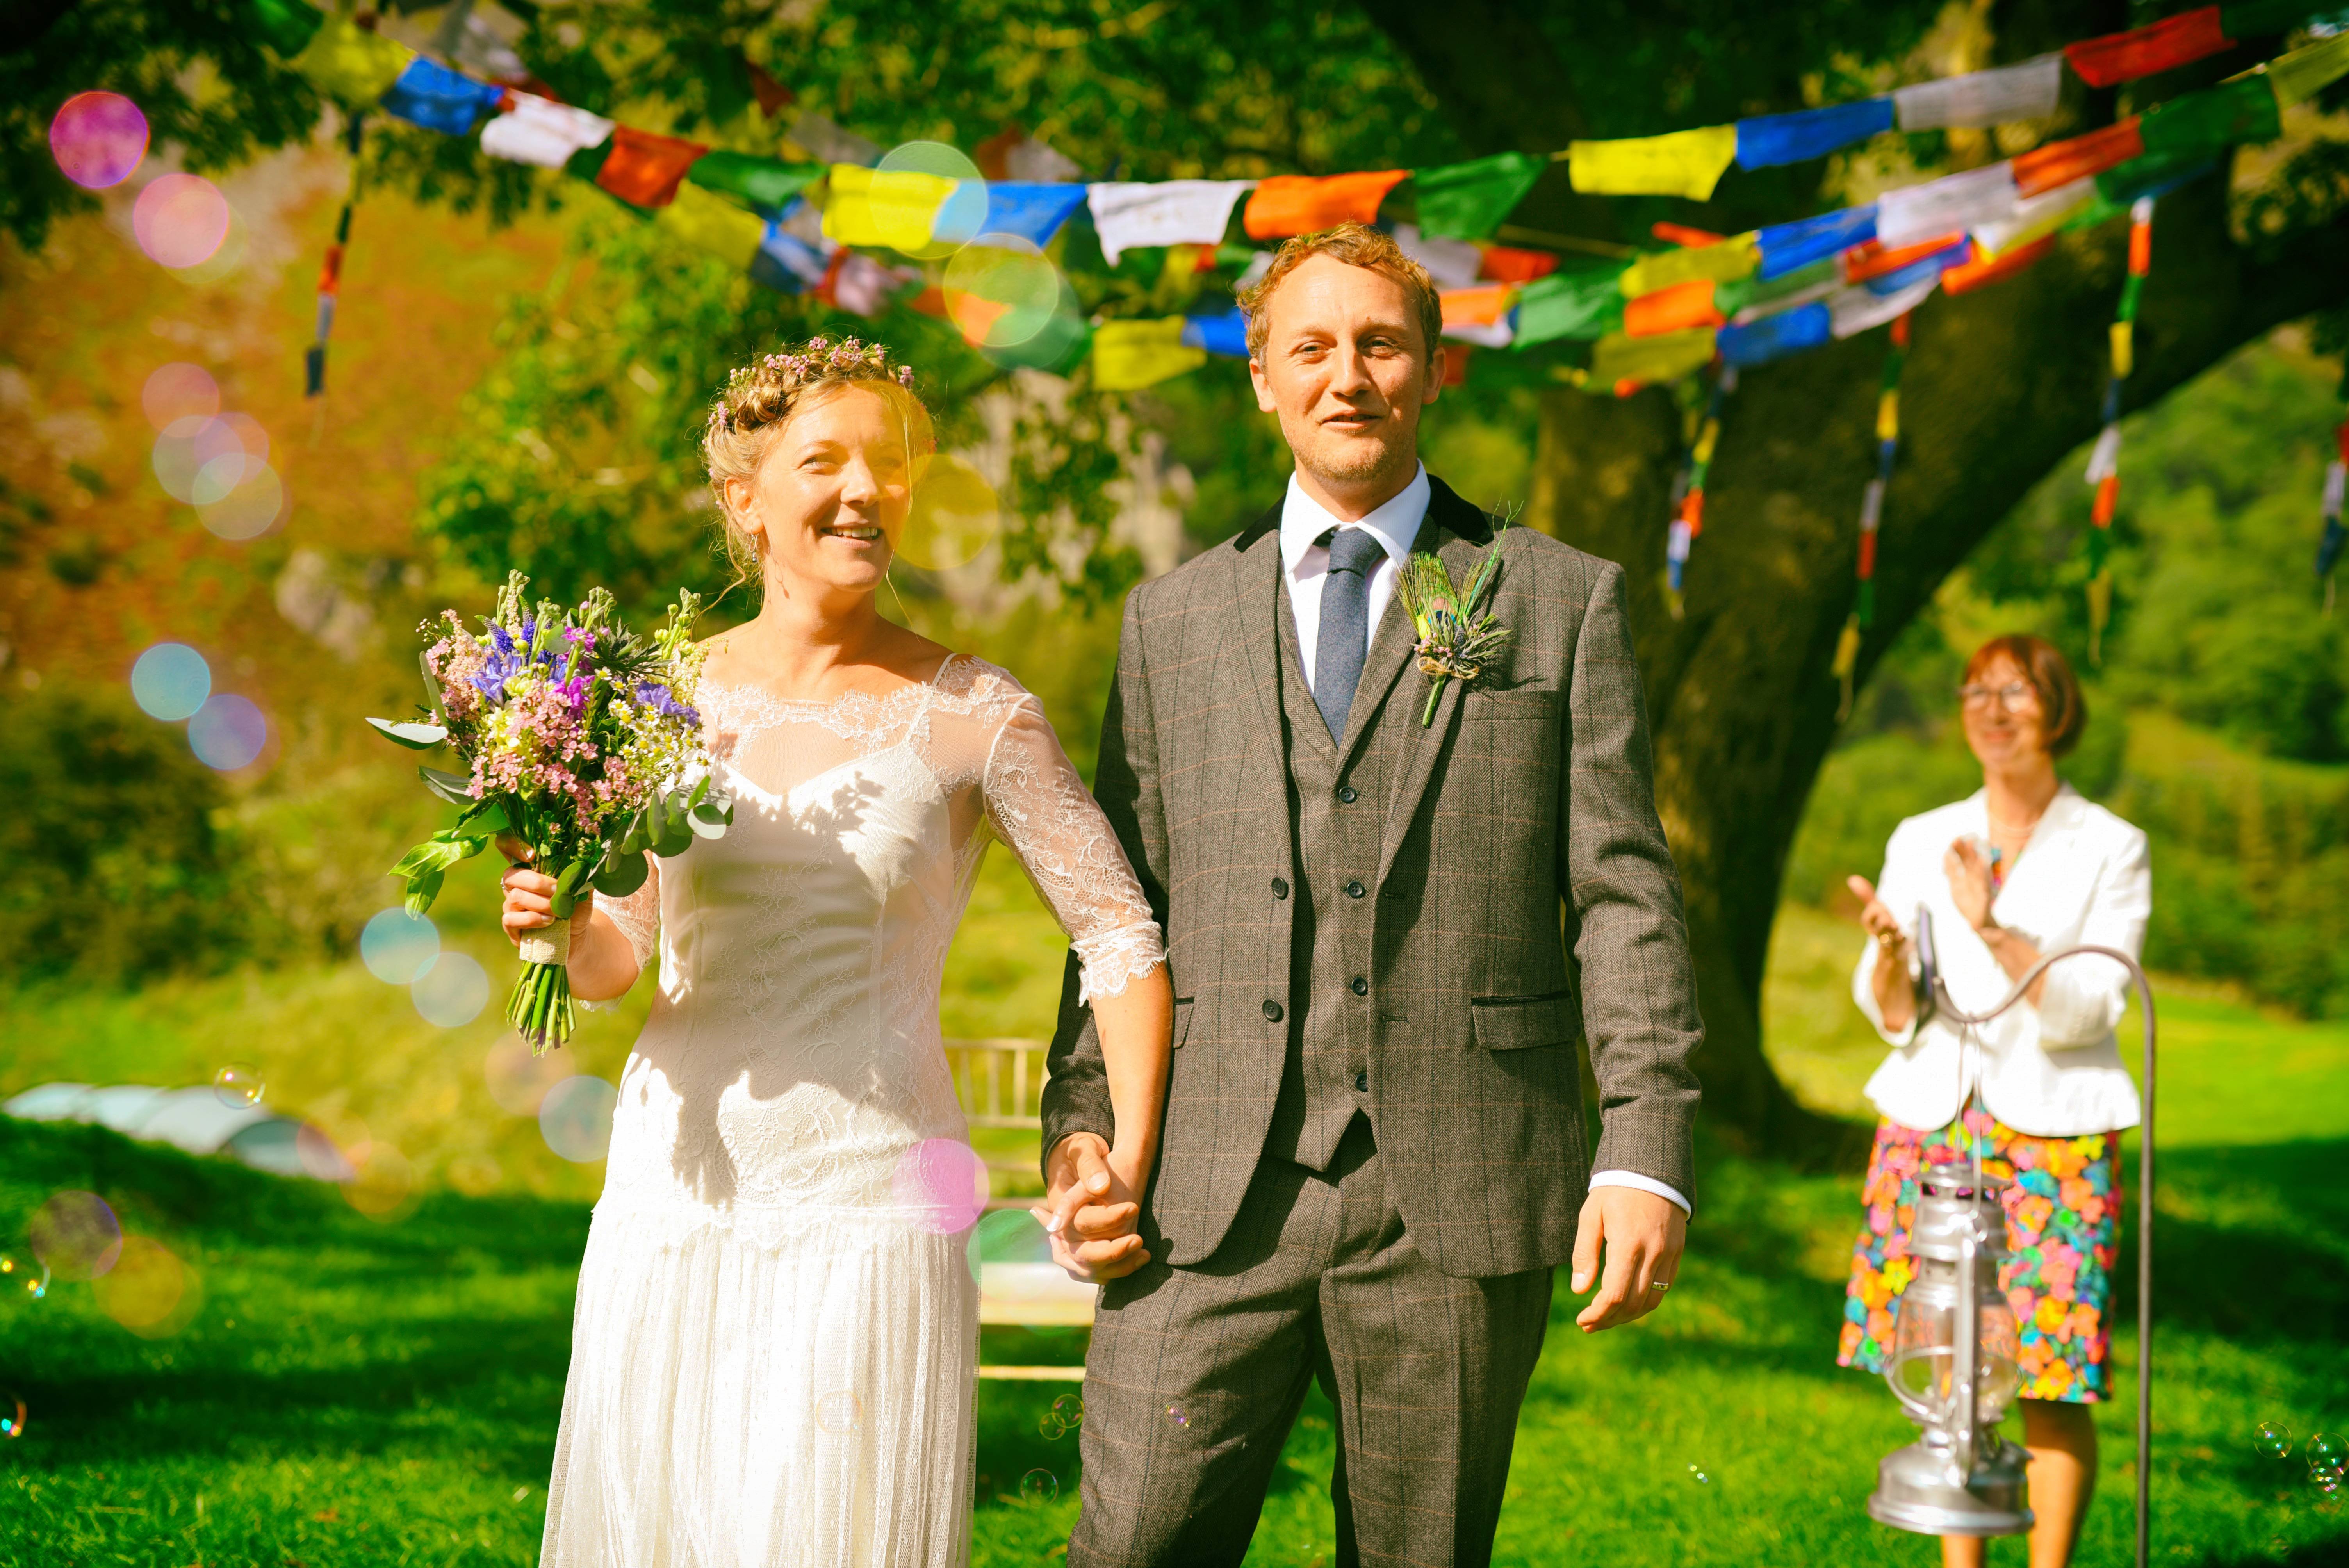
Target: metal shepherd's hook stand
{"type": "Point", "coordinates": [1961, 1477]}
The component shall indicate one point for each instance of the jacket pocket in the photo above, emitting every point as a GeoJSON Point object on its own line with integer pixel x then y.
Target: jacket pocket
{"type": "Point", "coordinates": [1519, 1023]}
{"type": "Point", "coordinates": [1183, 1010]}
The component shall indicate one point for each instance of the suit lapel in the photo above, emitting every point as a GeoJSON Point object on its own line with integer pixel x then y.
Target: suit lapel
{"type": "Point", "coordinates": [1254, 627]}
{"type": "Point", "coordinates": [1390, 652]}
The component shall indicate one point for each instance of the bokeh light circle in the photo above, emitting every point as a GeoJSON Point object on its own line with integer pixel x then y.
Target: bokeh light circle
{"type": "Point", "coordinates": [576, 1119]}
{"type": "Point", "coordinates": [838, 1412]}
{"type": "Point", "coordinates": [11, 1414]}
{"type": "Point", "coordinates": [147, 1290]}
{"type": "Point", "coordinates": [227, 732]}
{"type": "Point", "coordinates": [98, 138]}
{"type": "Point", "coordinates": [519, 1077]}
{"type": "Point", "coordinates": [22, 1277]}
{"type": "Point", "coordinates": [955, 514]}
{"type": "Point", "coordinates": [238, 497]}
{"type": "Point", "coordinates": [238, 1085]}
{"type": "Point", "coordinates": [1000, 291]}
{"type": "Point", "coordinates": [396, 945]}
{"type": "Point", "coordinates": [451, 991]}
{"type": "Point", "coordinates": [171, 681]}
{"type": "Point", "coordinates": [179, 391]}
{"type": "Point", "coordinates": [187, 447]}
{"type": "Point", "coordinates": [381, 1182]}
{"type": "Point", "coordinates": [933, 235]}
{"type": "Point", "coordinates": [75, 1235]}
{"type": "Point", "coordinates": [180, 220]}
{"type": "Point", "coordinates": [250, 436]}
{"type": "Point", "coordinates": [945, 1181]}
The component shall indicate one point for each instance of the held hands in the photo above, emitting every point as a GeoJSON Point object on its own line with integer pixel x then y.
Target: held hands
{"type": "Point", "coordinates": [1093, 1208]}
{"type": "Point", "coordinates": [1969, 873]}
{"type": "Point", "coordinates": [1644, 1235]}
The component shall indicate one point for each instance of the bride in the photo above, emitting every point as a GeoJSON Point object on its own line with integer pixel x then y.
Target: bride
{"type": "Point", "coordinates": [773, 1346]}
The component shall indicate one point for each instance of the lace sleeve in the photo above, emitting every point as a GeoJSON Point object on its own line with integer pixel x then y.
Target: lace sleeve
{"type": "Point", "coordinates": [1039, 807]}
{"type": "Point", "coordinates": [639, 914]}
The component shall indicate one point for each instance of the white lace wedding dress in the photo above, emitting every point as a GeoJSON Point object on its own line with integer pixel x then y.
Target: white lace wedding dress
{"type": "Point", "coordinates": [772, 1350]}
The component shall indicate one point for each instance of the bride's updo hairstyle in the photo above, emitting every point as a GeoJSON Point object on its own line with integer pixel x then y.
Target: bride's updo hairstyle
{"type": "Point", "coordinates": [761, 398]}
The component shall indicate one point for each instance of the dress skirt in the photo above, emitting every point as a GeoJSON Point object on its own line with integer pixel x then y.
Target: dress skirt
{"type": "Point", "coordinates": [754, 1390]}
{"type": "Point", "coordinates": [2062, 1207]}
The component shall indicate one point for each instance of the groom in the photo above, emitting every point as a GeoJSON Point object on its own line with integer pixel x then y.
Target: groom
{"type": "Point", "coordinates": [1385, 939]}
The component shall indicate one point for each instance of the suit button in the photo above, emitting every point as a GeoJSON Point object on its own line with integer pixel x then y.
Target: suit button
{"type": "Point", "coordinates": [1354, 890]}
{"type": "Point", "coordinates": [1272, 1012]}
{"type": "Point", "coordinates": [1280, 887]}
{"type": "Point", "coordinates": [1346, 794]}
{"type": "Point", "coordinates": [1362, 987]}
{"type": "Point", "coordinates": [1361, 1083]}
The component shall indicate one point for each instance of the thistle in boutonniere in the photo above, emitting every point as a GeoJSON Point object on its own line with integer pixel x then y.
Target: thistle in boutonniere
{"type": "Point", "coordinates": [1455, 642]}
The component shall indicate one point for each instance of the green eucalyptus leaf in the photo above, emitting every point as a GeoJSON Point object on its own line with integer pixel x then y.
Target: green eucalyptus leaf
{"type": "Point", "coordinates": [414, 736]}
{"type": "Point", "coordinates": [622, 875]}
{"type": "Point", "coordinates": [433, 686]}
{"type": "Point", "coordinates": [421, 891]}
{"type": "Point", "coordinates": [454, 788]}
{"type": "Point", "coordinates": [487, 818]}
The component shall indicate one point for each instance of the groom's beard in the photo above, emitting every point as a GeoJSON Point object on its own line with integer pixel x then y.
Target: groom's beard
{"type": "Point", "coordinates": [1347, 464]}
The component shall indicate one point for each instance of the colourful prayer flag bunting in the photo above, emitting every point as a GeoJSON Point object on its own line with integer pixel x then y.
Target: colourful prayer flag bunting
{"type": "Point", "coordinates": [1855, 310]}
{"type": "Point", "coordinates": [1468, 200]}
{"type": "Point", "coordinates": [1585, 305]}
{"type": "Point", "coordinates": [2164, 45]}
{"type": "Point", "coordinates": [1774, 336]}
{"type": "Point", "coordinates": [1675, 309]}
{"type": "Point", "coordinates": [1953, 203]}
{"type": "Point", "coordinates": [642, 169]}
{"type": "Point", "coordinates": [1685, 163]}
{"type": "Point", "coordinates": [1979, 100]}
{"type": "Point", "coordinates": [894, 209]}
{"type": "Point", "coordinates": [285, 25]}
{"type": "Point", "coordinates": [1503, 264]}
{"type": "Point", "coordinates": [539, 130]}
{"type": "Point", "coordinates": [768, 184]}
{"type": "Point", "coordinates": [1736, 257]}
{"type": "Point", "coordinates": [2033, 217]}
{"type": "Point", "coordinates": [1306, 203]}
{"type": "Point", "coordinates": [2060, 162]}
{"type": "Point", "coordinates": [1480, 307]}
{"type": "Point", "coordinates": [714, 224]}
{"type": "Point", "coordinates": [347, 62]}
{"type": "Point", "coordinates": [1648, 361]}
{"type": "Point", "coordinates": [1130, 215]}
{"type": "Point", "coordinates": [1774, 139]}
{"type": "Point", "coordinates": [1450, 263]}
{"type": "Point", "coordinates": [2200, 123]}
{"type": "Point", "coordinates": [1030, 210]}
{"type": "Point", "coordinates": [431, 94]}
{"type": "Point", "coordinates": [2303, 74]}
{"type": "Point", "coordinates": [1128, 356]}
{"type": "Point", "coordinates": [1787, 247]}
{"type": "Point", "coordinates": [1984, 268]}
{"type": "Point", "coordinates": [1225, 335]}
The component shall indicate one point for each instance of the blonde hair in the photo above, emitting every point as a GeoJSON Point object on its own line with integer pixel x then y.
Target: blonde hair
{"type": "Point", "coordinates": [760, 399]}
{"type": "Point", "coordinates": [1357, 245]}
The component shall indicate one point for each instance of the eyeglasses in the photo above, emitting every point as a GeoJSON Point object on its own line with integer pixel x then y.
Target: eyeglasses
{"type": "Point", "coordinates": [2014, 694]}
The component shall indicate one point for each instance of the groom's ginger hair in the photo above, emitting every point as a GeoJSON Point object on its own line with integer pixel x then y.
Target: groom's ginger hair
{"type": "Point", "coordinates": [1357, 245]}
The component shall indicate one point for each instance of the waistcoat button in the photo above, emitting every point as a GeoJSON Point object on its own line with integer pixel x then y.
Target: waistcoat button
{"type": "Point", "coordinates": [1354, 890]}
{"type": "Point", "coordinates": [1346, 793]}
{"type": "Point", "coordinates": [1362, 987]}
{"type": "Point", "coordinates": [1272, 1012]}
{"type": "Point", "coordinates": [1280, 887]}
{"type": "Point", "coordinates": [1361, 1083]}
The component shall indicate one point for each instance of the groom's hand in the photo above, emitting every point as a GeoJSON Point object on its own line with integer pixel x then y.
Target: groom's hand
{"type": "Point", "coordinates": [1090, 1212]}
{"type": "Point", "coordinates": [1644, 1235]}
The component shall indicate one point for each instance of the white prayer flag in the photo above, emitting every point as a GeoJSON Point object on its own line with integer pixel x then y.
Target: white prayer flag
{"type": "Point", "coordinates": [2035, 216]}
{"type": "Point", "coordinates": [1484, 335]}
{"type": "Point", "coordinates": [1854, 310]}
{"type": "Point", "coordinates": [542, 132]}
{"type": "Point", "coordinates": [1953, 204]}
{"type": "Point", "coordinates": [1451, 264]}
{"type": "Point", "coordinates": [2105, 457]}
{"type": "Point", "coordinates": [1040, 163]}
{"type": "Point", "coordinates": [827, 142]}
{"type": "Point", "coordinates": [2027, 91]}
{"type": "Point", "coordinates": [1162, 212]}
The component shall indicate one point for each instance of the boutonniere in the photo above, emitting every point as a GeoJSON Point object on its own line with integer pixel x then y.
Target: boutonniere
{"type": "Point", "coordinates": [1455, 642]}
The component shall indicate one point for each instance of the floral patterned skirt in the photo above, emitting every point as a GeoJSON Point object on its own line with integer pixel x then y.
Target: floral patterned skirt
{"type": "Point", "coordinates": [2062, 1224]}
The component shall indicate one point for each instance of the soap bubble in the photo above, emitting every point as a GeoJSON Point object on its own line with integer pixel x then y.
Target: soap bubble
{"type": "Point", "coordinates": [576, 1119]}
{"type": "Point", "coordinates": [943, 1178]}
{"type": "Point", "coordinates": [238, 1085]}
{"type": "Point", "coordinates": [98, 138]}
{"type": "Point", "coordinates": [227, 732]}
{"type": "Point", "coordinates": [12, 1415]}
{"type": "Point", "coordinates": [2326, 1479]}
{"type": "Point", "coordinates": [1179, 1416]}
{"type": "Point", "coordinates": [179, 391]}
{"type": "Point", "coordinates": [2327, 1449]}
{"type": "Point", "coordinates": [22, 1277]}
{"type": "Point", "coordinates": [519, 1077]}
{"type": "Point", "coordinates": [1700, 1477]}
{"type": "Point", "coordinates": [395, 946]}
{"type": "Point", "coordinates": [2271, 1439]}
{"type": "Point", "coordinates": [75, 1235]}
{"type": "Point", "coordinates": [1000, 291]}
{"type": "Point", "coordinates": [450, 991]}
{"type": "Point", "coordinates": [840, 1412]}
{"type": "Point", "coordinates": [180, 220]}
{"type": "Point", "coordinates": [1038, 1486]}
{"type": "Point", "coordinates": [1067, 1415]}
{"type": "Point", "coordinates": [171, 681]}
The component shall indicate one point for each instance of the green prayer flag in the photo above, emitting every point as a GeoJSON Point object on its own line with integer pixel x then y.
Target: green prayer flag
{"type": "Point", "coordinates": [1586, 304]}
{"type": "Point", "coordinates": [1468, 200]}
{"type": "Point", "coordinates": [2259, 18]}
{"type": "Point", "coordinates": [589, 161]}
{"type": "Point", "coordinates": [2216, 118]}
{"type": "Point", "coordinates": [1737, 294]}
{"type": "Point", "coordinates": [2124, 184]}
{"type": "Point", "coordinates": [753, 181]}
{"type": "Point", "coordinates": [285, 25]}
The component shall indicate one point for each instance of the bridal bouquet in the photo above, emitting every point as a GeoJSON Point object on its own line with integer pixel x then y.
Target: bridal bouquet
{"type": "Point", "coordinates": [578, 737]}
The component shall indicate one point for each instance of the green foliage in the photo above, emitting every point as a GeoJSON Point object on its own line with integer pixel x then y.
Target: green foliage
{"type": "Point", "coordinates": [116, 872]}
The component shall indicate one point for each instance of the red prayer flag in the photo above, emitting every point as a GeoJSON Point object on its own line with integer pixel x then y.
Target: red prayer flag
{"type": "Point", "coordinates": [771, 94]}
{"type": "Point", "coordinates": [2172, 42]}
{"type": "Point", "coordinates": [1983, 270]}
{"type": "Point", "coordinates": [1479, 306]}
{"type": "Point", "coordinates": [2060, 162]}
{"type": "Point", "coordinates": [1303, 204]}
{"type": "Point", "coordinates": [2108, 498]}
{"type": "Point", "coordinates": [1681, 234]}
{"type": "Point", "coordinates": [1869, 259]}
{"type": "Point", "coordinates": [1675, 309]}
{"type": "Point", "coordinates": [644, 169]}
{"type": "Point", "coordinates": [1456, 362]}
{"type": "Point", "coordinates": [1866, 554]}
{"type": "Point", "coordinates": [330, 275]}
{"type": "Point", "coordinates": [1504, 265]}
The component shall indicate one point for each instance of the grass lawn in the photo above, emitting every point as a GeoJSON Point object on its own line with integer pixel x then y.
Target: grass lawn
{"type": "Point", "coordinates": [337, 1389]}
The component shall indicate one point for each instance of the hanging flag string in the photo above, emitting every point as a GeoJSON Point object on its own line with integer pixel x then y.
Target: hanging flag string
{"type": "Point", "coordinates": [330, 275]}
{"type": "Point", "coordinates": [1871, 515]}
{"type": "Point", "coordinates": [2337, 479]}
{"type": "Point", "coordinates": [2104, 460]}
{"type": "Point", "coordinates": [1687, 490]}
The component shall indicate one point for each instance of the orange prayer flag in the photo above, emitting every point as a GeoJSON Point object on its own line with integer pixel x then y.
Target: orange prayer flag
{"type": "Point", "coordinates": [1983, 270]}
{"type": "Point", "coordinates": [2060, 162]}
{"type": "Point", "coordinates": [1869, 259]}
{"type": "Point", "coordinates": [1675, 309]}
{"type": "Point", "coordinates": [1303, 204]}
{"type": "Point", "coordinates": [1504, 265]}
{"type": "Point", "coordinates": [644, 169]}
{"type": "Point", "coordinates": [1480, 307]}
{"type": "Point", "coordinates": [2164, 45]}
{"type": "Point", "coordinates": [1681, 234]}
{"type": "Point", "coordinates": [1456, 362]}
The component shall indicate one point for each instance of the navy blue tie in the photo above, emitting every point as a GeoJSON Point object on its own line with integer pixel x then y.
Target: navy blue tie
{"type": "Point", "coordinates": [1343, 641]}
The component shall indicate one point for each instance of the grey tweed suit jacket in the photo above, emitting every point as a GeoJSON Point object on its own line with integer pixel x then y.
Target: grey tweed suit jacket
{"type": "Point", "coordinates": [1526, 898]}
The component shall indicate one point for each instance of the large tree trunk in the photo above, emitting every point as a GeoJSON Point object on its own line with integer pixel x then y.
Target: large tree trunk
{"type": "Point", "coordinates": [2000, 385]}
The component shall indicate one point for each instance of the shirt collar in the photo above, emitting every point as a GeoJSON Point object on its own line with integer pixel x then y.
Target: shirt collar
{"type": "Point", "coordinates": [1395, 525]}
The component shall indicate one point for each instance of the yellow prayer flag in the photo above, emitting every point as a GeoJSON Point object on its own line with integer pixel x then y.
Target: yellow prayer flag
{"type": "Point", "coordinates": [1131, 354]}
{"type": "Point", "coordinates": [2124, 350]}
{"type": "Point", "coordinates": [1888, 414]}
{"type": "Point", "coordinates": [2303, 74]}
{"type": "Point", "coordinates": [1734, 258]}
{"type": "Point", "coordinates": [1667, 357]}
{"type": "Point", "coordinates": [710, 223]}
{"type": "Point", "coordinates": [895, 207]}
{"type": "Point", "coordinates": [1685, 163]}
{"type": "Point", "coordinates": [350, 64]}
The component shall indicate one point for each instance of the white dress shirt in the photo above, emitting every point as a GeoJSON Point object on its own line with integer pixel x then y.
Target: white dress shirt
{"type": "Point", "coordinates": [1304, 567]}
{"type": "Point", "coordinates": [2053, 1070]}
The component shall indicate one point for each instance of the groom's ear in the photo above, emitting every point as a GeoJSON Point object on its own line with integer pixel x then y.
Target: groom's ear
{"type": "Point", "coordinates": [1436, 366]}
{"type": "Point", "coordinates": [1264, 402]}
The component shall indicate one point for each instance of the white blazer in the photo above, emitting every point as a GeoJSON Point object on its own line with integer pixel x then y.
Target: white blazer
{"type": "Point", "coordinates": [2055, 1070]}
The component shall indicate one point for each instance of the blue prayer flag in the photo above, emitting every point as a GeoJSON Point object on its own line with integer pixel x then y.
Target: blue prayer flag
{"type": "Point", "coordinates": [438, 99]}
{"type": "Point", "coordinates": [1917, 272]}
{"type": "Point", "coordinates": [1226, 334]}
{"type": "Point", "coordinates": [1786, 246]}
{"type": "Point", "coordinates": [785, 263]}
{"type": "Point", "coordinates": [1774, 336]}
{"type": "Point", "coordinates": [1031, 210]}
{"type": "Point", "coordinates": [1774, 139]}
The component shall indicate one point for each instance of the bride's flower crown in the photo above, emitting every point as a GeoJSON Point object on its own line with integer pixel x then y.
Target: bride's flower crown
{"type": "Point", "coordinates": [766, 389]}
